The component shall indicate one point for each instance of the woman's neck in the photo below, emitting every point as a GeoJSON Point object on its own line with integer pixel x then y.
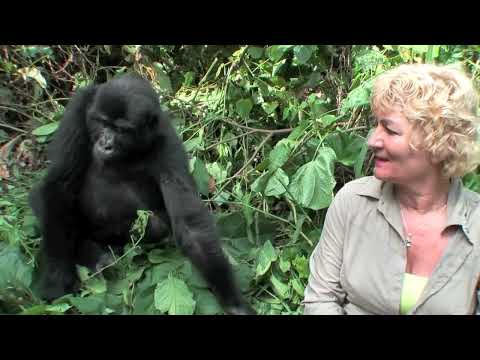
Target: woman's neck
{"type": "Point", "coordinates": [429, 195]}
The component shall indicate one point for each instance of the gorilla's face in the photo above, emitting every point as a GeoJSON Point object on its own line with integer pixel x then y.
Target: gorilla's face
{"type": "Point", "coordinates": [120, 127]}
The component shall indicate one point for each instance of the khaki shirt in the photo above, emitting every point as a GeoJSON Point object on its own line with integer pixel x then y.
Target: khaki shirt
{"type": "Point", "coordinates": [358, 265]}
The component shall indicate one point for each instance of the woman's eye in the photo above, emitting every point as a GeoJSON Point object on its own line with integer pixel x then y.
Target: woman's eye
{"type": "Point", "coordinates": [391, 132]}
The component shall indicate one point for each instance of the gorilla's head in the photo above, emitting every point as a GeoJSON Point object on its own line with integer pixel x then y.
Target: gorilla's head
{"type": "Point", "coordinates": [123, 118]}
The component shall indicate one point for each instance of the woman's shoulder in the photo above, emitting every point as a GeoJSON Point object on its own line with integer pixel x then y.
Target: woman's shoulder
{"type": "Point", "coordinates": [368, 186]}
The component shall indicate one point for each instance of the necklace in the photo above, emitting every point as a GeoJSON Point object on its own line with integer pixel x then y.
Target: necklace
{"type": "Point", "coordinates": [408, 242]}
{"type": "Point", "coordinates": [409, 234]}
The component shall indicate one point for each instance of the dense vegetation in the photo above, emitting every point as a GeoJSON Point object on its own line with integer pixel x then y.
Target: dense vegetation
{"type": "Point", "coordinates": [272, 133]}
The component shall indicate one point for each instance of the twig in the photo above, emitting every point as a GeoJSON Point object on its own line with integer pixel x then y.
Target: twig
{"type": "Point", "coordinates": [230, 139]}
{"type": "Point", "coordinates": [267, 131]}
{"type": "Point", "coordinates": [17, 111]}
{"type": "Point", "coordinates": [13, 128]}
{"type": "Point", "coordinates": [228, 180]}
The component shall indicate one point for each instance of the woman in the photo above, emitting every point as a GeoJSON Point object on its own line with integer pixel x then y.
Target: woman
{"type": "Point", "coordinates": [407, 240]}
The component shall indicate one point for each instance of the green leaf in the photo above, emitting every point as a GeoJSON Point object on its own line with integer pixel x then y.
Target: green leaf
{"type": "Point", "coordinates": [260, 183]}
{"type": "Point", "coordinates": [277, 184]}
{"type": "Point", "coordinates": [163, 79]}
{"type": "Point", "coordinates": [347, 146]}
{"type": "Point", "coordinates": [255, 52]}
{"type": "Point", "coordinates": [193, 144]}
{"type": "Point", "coordinates": [90, 305]}
{"type": "Point", "coordinates": [300, 263]}
{"type": "Point", "coordinates": [328, 120]}
{"type": "Point", "coordinates": [172, 296]}
{"type": "Point", "coordinates": [298, 131]}
{"type": "Point", "coordinates": [276, 52]}
{"type": "Point", "coordinates": [269, 107]}
{"type": "Point", "coordinates": [245, 274]}
{"type": "Point", "coordinates": [358, 165]}
{"type": "Point", "coordinates": [13, 269]}
{"type": "Point", "coordinates": [433, 53]}
{"type": "Point", "coordinates": [243, 107]}
{"type": "Point", "coordinates": [96, 285]}
{"type": "Point", "coordinates": [266, 256]}
{"type": "Point", "coordinates": [302, 53]}
{"type": "Point", "coordinates": [206, 303]}
{"type": "Point", "coordinates": [297, 286]}
{"type": "Point", "coordinates": [280, 154]}
{"type": "Point", "coordinates": [360, 96]}
{"type": "Point", "coordinates": [280, 288]}
{"type": "Point", "coordinates": [47, 129]}
{"type": "Point", "coordinates": [201, 176]}
{"type": "Point", "coordinates": [58, 308]}
{"type": "Point", "coordinates": [312, 185]}
{"type": "Point", "coordinates": [284, 264]}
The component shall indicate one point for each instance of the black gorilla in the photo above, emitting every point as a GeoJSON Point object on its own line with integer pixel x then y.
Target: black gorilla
{"type": "Point", "coordinates": [115, 152]}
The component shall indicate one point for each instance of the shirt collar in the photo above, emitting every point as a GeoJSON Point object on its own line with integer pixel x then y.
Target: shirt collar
{"type": "Point", "coordinates": [460, 203]}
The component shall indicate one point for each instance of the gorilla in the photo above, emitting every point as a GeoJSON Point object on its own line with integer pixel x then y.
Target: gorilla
{"type": "Point", "coordinates": [115, 152]}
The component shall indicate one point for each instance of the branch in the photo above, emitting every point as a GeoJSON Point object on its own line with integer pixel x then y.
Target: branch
{"type": "Point", "coordinates": [267, 131]}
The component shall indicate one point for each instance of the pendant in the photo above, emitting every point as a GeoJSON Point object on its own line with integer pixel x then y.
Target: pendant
{"type": "Point", "coordinates": [408, 242]}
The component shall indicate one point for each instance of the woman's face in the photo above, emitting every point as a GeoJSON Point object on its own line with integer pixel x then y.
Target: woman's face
{"type": "Point", "coordinates": [395, 160]}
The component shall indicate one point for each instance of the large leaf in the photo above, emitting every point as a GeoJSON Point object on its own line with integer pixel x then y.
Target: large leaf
{"type": "Point", "coordinates": [47, 129]}
{"type": "Point", "coordinates": [280, 154]}
{"type": "Point", "coordinates": [243, 107]}
{"type": "Point", "coordinates": [172, 296]}
{"type": "Point", "coordinates": [201, 176]}
{"type": "Point", "coordinates": [360, 96]}
{"type": "Point", "coordinates": [269, 107]}
{"type": "Point", "coordinates": [255, 52]}
{"type": "Point", "coordinates": [302, 53]}
{"type": "Point", "coordinates": [277, 184]}
{"type": "Point", "coordinates": [89, 305]}
{"type": "Point", "coordinates": [206, 303]}
{"type": "Point", "coordinates": [347, 146]}
{"type": "Point", "coordinates": [266, 256]}
{"type": "Point", "coordinates": [261, 182]}
{"type": "Point", "coordinates": [13, 269]}
{"type": "Point", "coordinates": [163, 79]}
{"type": "Point", "coordinates": [280, 288]}
{"type": "Point", "coordinates": [300, 263]}
{"type": "Point", "coordinates": [276, 52]}
{"type": "Point", "coordinates": [312, 185]}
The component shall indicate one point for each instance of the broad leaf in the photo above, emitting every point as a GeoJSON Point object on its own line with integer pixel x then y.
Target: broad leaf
{"type": "Point", "coordinates": [303, 53]}
{"type": "Point", "coordinates": [347, 146]}
{"type": "Point", "coordinates": [172, 296]}
{"type": "Point", "coordinates": [360, 96]}
{"type": "Point", "coordinates": [201, 176]}
{"type": "Point", "coordinates": [47, 129]}
{"type": "Point", "coordinates": [13, 269]}
{"type": "Point", "coordinates": [265, 258]}
{"type": "Point", "coordinates": [312, 185]}
{"type": "Point", "coordinates": [206, 303]}
{"type": "Point", "coordinates": [280, 154]}
{"type": "Point", "coordinates": [280, 288]}
{"type": "Point", "coordinates": [277, 184]}
{"type": "Point", "coordinates": [243, 107]}
{"type": "Point", "coordinates": [261, 182]}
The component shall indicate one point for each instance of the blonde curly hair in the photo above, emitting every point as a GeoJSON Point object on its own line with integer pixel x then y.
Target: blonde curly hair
{"type": "Point", "coordinates": [442, 103]}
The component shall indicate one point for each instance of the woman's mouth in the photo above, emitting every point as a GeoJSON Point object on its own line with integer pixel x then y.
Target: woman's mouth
{"type": "Point", "coordinates": [379, 161]}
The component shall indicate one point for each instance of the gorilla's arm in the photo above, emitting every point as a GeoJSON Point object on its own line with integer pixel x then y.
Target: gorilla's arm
{"type": "Point", "coordinates": [53, 200]}
{"type": "Point", "coordinates": [193, 225]}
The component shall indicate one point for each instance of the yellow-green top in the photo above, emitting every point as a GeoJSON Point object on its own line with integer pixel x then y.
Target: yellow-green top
{"type": "Point", "coordinates": [413, 286]}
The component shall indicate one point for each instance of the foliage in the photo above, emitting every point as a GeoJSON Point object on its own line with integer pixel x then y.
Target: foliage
{"type": "Point", "coordinates": [272, 133]}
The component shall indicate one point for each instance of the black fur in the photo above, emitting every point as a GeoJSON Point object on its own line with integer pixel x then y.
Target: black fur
{"type": "Point", "coordinates": [116, 152]}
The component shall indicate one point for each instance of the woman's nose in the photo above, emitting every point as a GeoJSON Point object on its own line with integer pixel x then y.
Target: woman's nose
{"type": "Point", "coordinates": [375, 141]}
